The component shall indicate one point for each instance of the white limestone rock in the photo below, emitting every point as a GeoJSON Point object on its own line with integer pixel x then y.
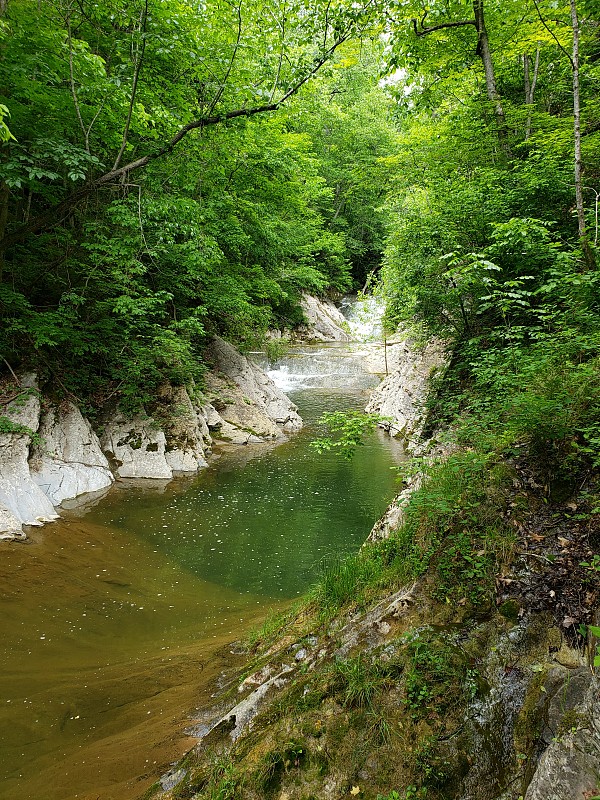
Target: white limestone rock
{"type": "Point", "coordinates": [69, 462]}
{"type": "Point", "coordinates": [394, 515]}
{"type": "Point", "coordinates": [211, 417]}
{"type": "Point", "coordinates": [183, 428]}
{"type": "Point", "coordinates": [10, 527]}
{"type": "Point", "coordinates": [325, 322]}
{"type": "Point", "coordinates": [401, 396]}
{"type": "Point", "coordinates": [136, 448]}
{"type": "Point", "coordinates": [230, 433]}
{"type": "Point", "coordinates": [245, 396]}
{"type": "Point", "coordinates": [21, 498]}
{"type": "Point", "coordinates": [204, 430]}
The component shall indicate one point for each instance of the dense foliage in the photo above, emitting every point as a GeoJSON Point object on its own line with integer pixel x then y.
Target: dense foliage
{"type": "Point", "coordinates": [484, 246]}
{"type": "Point", "coordinates": [123, 251]}
{"type": "Point", "coordinates": [167, 174]}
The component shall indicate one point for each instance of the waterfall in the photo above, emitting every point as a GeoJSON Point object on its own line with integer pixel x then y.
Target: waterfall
{"type": "Point", "coordinates": [335, 365]}
{"type": "Point", "coordinates": [364, 316]}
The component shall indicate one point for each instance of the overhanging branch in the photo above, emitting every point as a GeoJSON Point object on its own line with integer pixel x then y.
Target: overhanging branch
{"type": "Point", "coordinates": [421, 30]}
{"type": "Point", "coordinates": [59, 212]}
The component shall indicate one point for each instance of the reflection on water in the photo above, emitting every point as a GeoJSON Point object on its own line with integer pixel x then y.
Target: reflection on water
{"type": "Point", "coordinates": [112, 619]}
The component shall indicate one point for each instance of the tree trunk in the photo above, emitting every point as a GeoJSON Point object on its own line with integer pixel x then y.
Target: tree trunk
{"type": "Point", "coordinates": [484, 52]}
{"type": "Point", "coordinates": [530, 84]}
{"type": "Point", "coordinates": [588, 253]}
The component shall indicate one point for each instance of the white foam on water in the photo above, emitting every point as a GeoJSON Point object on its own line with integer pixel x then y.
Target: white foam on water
{"type": "Point", "coordinates": [365, 317]}
{"type": "Point", "coordinates": [340, 365]}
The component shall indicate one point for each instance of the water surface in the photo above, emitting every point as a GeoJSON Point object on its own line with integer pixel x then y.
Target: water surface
{"type": "Point", "coordinates": [116, 622]}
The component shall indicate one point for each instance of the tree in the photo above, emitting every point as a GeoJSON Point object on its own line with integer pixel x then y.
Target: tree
{"type": "Point", "coordinates": [238, 72]}
{"type": "Point", "coordinates": [440, 21]}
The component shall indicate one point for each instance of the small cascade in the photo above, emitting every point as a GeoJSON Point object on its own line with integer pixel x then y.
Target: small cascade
{"type": "Point", "coordinates": [321, 367]}
{"type": "Point", "coordinates": [364, 316]}
{"type": "Point", "coordinates": [335, 365]}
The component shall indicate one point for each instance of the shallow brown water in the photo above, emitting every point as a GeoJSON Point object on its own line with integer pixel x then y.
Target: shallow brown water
{"type": "Point", "coordinates": [86, 728]}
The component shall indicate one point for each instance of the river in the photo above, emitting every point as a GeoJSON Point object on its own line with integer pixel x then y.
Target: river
{"type": "Point", "coordinates": [116, 619]}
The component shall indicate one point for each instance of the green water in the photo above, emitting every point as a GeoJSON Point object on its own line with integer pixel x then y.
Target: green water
{"type": "Point", "coordinates": [112, 618]}
{"type": "Point", "coordinates": [262, 520]}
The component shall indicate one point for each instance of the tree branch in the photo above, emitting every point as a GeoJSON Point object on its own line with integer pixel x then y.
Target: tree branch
{"type": "Point", "coordinates": [136, 75]}
{"type": "Point", "coordinates": [72, 84]}
{"type": "Point", "coordinates": [543, 21]}
{"type": "Point", "coordinates": [423, 31]}
{"type": "Point", "coordinates": [58, 213]}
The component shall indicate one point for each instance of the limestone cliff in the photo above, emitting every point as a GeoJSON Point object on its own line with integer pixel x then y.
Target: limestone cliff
{"type": "Point", "coordinates": [245, 396]}
{"type": "Point", "coordinates": [67, 460]}
{"type": "Point", "coordinates": [402, 394]}
{"type": "Point", "coordinates": [22, 501]}
{"type": "Point", "coordinates": [324, 321]}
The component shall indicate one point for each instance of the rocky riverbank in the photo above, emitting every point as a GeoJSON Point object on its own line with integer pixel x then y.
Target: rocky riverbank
{"type": "Point", "coordinates": [463, 698]}
{"type": "Point", "coordinates": [452, 658]}
{"type": "Point", "coordinates": [50, 453]}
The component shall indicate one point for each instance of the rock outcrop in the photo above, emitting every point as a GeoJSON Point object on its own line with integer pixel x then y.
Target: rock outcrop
{"type": "Point", "coordinates": [245, 397]}
{"type": "Point", "coordinates": [401, 396]}
{"type": "Point", "coordinates": [69, 460]}
{"type": "Point", "coordinates": [22, 502]}
{"type": "Point", "coordinates": [187, 435]}
{"type": "Point", "coordinates": [136, 447]}
{"type": "Point", "coordinates": [325, 322]}
{"type": "Point", "coordinates": [51, 453]}
{"type": "Point", "coordinates": [393, 516]}
{"type": "Point", "coordinates": [570, 766]}
{"type": "Point", "coordinates": [10, 526]}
